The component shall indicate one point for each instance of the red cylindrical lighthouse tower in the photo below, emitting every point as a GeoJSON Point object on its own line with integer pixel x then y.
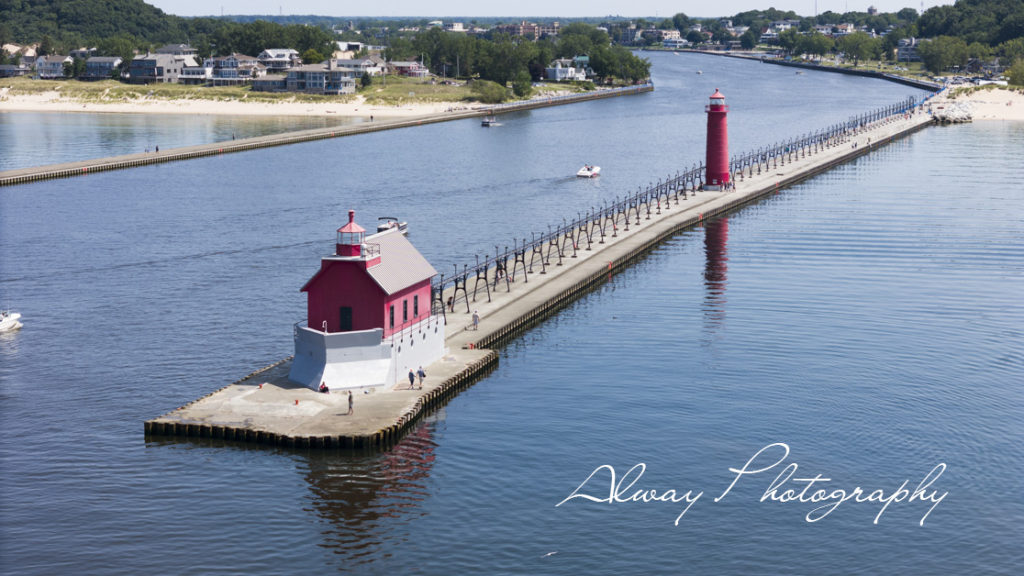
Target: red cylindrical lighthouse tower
{"type": "Point", "coordinates": [716, 174]}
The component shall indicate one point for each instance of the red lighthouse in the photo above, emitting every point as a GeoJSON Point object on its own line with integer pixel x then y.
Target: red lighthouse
{"type": "Point", "coordinates": [716, 175]}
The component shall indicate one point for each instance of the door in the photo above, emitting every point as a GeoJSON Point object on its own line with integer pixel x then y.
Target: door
{"type": "Point", "coordinates": [345, 319]}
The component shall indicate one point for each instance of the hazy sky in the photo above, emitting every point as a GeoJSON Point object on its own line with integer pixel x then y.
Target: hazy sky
{"type": "Point", "coordinates": [536, 8]}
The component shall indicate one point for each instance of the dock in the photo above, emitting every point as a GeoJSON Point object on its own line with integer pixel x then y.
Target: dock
{"type": "Point", "coordinates": [86, 167]}
{"type": "Point", "coordinates": [264, 408]}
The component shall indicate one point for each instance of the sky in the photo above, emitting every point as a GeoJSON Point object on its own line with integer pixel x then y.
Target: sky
{"type": "Point", "coordinates": [528, 8]}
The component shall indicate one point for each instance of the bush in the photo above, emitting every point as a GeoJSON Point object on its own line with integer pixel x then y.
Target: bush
{"type": "Point", "coordinates": [489, 92]}
{"type": "Point", "coordinates": [522, 86]}
{"type": "Point", "coordinates": [1016, 73]}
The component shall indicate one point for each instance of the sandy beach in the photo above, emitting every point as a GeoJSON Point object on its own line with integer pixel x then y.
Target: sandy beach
{"type": "Point", "coordinates": [53, 101]}
{"type": "Point", "coordinates": [990, 104]}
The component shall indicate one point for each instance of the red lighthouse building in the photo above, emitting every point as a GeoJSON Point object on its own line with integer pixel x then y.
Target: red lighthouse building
{"type": "Point", "coordinates": [368, 313]}
{"type": "Point", "coordinates": [716, 175]}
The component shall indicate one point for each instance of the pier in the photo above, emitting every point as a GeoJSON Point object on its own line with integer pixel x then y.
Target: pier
{"type": "Point", "coordinates": [517, 288]}
{"type": "Point", "coordinates": [85, 167]}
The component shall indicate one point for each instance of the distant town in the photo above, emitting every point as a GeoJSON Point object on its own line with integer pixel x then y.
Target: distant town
{"type": "Point", "coordinates": [311, 58]}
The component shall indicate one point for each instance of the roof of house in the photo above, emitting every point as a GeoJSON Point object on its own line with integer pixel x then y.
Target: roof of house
{"type": "Point", "coordinates": [104, 59]}
{"type": "Point", "coordinates": [401, 264]}
{"type": "Point", "coordinates": [55, 59]}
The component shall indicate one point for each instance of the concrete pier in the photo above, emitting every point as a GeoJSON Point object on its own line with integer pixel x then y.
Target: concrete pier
{"type": "Point", "coordinates": [85, 167]}
{"type": "Point", "coordinates": [264, 408]}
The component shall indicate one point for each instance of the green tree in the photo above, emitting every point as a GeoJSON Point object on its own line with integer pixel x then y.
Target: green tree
{"type": "Point", "coordinates": [942, 53]}
{"type": "Point", "coordinates": [522, 86]}
{"type": "Point", "coordinates": [311, 56]}
{"type": "Point", "coordinates": [488, 92]}
{"type": "Point", "coordinates": [858, 46]}
{"type": "Point", "coordinates": [1016, 73]}
{"type": "Point", "coordinates": [681, 21]}
{"type": "Point", "coordinates": [45, 46]}
{"type": "Point", "coordinates": [788, 39]}
{"type": "Point", "coordinates": [748, 40]}
{"type": "Point", "coordinates": [365, 81]}
{"type": "Point", "coordinates": [1010, 51]}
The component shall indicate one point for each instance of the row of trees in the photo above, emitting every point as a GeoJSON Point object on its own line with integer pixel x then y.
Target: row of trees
{"type": "Point", "coordinates": [503, 58]}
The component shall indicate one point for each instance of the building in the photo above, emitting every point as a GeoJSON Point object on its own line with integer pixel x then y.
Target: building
{"type": "Point", "coordinates": [279, 59]}
{"type": "Point", "coordinates": [906, 50]}
{"type": "Point", "coordinates": [271, 83]}
{"type": "Point", "coordinates": [529, 29]}
{"type": "Point", "coordinates": [152, 68]}
{"type": "Point", "coordinates": [101, 67]}
{"type": "Point", "coordinates": [228, 70]}
{"type": "Point", "coordinates": [369, 313]}
{"type": "Point", "coordinates": [83, 53]}
{"type": "Point", "coordinates": [411, 69]}
{"type": "Point", "coordinates": [322, 78]}
{"type": "Point", "coordinates": [372, 65]}
{"type": "Point", "coordinates": [178, 50]}
{"type": "Point", "coordinates": [675, 43]}
{"type": "Point", "coordinates": [51, 67]}
{"type": "Point", "coordinates": [454, 27]}
{"type": "Point", "coordinates": [568, 69]}
{"type": "Point", "coordinates": [14, 70]}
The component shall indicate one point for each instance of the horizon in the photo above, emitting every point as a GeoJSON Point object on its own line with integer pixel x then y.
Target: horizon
{"type": "Point", "coordinates": [531, 9]}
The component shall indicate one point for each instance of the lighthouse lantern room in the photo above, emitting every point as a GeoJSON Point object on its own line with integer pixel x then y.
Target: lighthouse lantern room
{"type": "Point", "coordinates": [716, 176]}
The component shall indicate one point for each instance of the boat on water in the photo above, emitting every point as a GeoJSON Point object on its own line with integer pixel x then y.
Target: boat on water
{"type": "Point", "coordinates": [390, 223]}
{"type": "Point", "coordinates": [9, 321]}
{"type": "Point", "coordinates": [700, 71]}
{"type": "Point", "coordinates": [589, 171]}
{"type": "Point", "coordinates": [489, 121]}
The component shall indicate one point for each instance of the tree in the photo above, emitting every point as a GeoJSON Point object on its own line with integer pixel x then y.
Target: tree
{"type": "Point", "coordinates": [694, 37]}
{"type": "Point", "coordinates": [311, 56]}
{"type": "Point", "coordinates": [748, 40]}
{"type": "Point", "coordinates": [788, 39]}
{"type": "Point", "coordinates": [858, 46]}
{"type": "Point", "coordinates": [1016, 73]}
{"type": "Point", "coordinates": [45, 46]}
{"type": "Point", "coordinates": [365, 81]}
{"type": "Point", "coordinates": [1010, 51]}
{"type": "Point", "coordinates": [681, 21]}
{"type": "Point", "coordinates": [488, 92]}
{"type": "Point", "coordinates": [942, 53]}
{"type": "Point", "coordinates": [522, 86]}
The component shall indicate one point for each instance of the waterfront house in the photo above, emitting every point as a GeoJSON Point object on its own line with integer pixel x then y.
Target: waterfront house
{"type": "Point", "coordinates": [101, 67]}
{"type": "Point", "coordinates": [270, 83]}
{"type": "Point", "coordinates": [83, 53]}
{"type": "Point", "coordinates": [322, 78]}
{"type": "Point", "coordinates": [52, 67]}
{"type": "Point", "coordinates": [14, 70]}
{"type": "Point", "coordinates": [411, 69]}
{"type": "Point", "coordinates": [675, 43]}
{"type": "Point", "coordinates": [369, 313]}
{"type": "Point", "coordinates": [150, 68]}
{"type": "Point", "coordinates": [372, 65]}
{"type": "Point", "coordinates": [228, 70]}
{"type": "Point", "coordinates": [569, 69]}
{"type": "Point", "coordinates": [906, 50]}
{"type": "Point", "coordinates": [279, 59]}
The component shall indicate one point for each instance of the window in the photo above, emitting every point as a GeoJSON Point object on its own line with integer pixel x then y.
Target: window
{"type": "Point", "coordinates": [391, 314]}
{"type": "Point", "coordinates": [405, 311]}
{"type": "Point", "coordinates": [416, 306]}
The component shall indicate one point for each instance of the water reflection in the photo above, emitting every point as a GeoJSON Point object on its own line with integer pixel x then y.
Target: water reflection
{"type": "Point", "coordinates": [716, 267]}
{"type": "Point", "coordinates": [364, 498]}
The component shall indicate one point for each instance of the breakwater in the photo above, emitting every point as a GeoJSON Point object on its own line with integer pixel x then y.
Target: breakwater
{"type": "Point", "coordinates": [519, 287]}
{"type": "Point", "coordinates": [85, 167]}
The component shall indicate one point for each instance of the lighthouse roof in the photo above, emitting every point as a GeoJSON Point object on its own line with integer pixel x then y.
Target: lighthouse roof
{"type": "Point", "coordinates": [401, 264]}
{"type": "Point", "coordinates": [717, 94]}
{"type": "Point", "coordinates": [351, 227]}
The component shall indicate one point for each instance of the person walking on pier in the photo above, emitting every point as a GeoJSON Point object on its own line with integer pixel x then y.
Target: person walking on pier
{"type": "Point", "coordinates": [476, 320]}
{"type": "Point", "coordinates": [412, 379]}
{"type": "Point", "coordinates": [349, 402]}
{"type": "Point", "coordinates": [421, 374]}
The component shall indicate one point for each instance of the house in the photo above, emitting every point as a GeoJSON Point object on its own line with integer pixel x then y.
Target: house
{"type": "Point", "coordinates": [229, 70]}
{"type": "Point", "coordinates": [83, 53]}
{"type": "Point", "coordinates": [51, 67]}
{"type": "Point", "coordinates": [178, 50]}
{"type": "Point", "coordinates": [14, 70]}
{"type": "Point", "coordinates": [101, 67]}
{"type": "Point", "coordinates": [672, 34]}
{"type": "Point", "coordinates": [279, 59]}
{"type": "Point", "coordinates": [148, 68]}
{"type": "Point", "coordinates": [372, 65]}
{"type": "Point", "coordinates": [270, 83]}
{"type": "Point", "coordinates": [322, 78]}
{"type": "Point", "coordinates": [569, 69]}
{"type": "Point", "coordinates": [411, 69]}
{"type": "Point", "coordinates": [454, 27]}
{"type": "Point", "coordinates": [369, 317]}
{"type": "Point", "coordinates": [906, 50]}
{"type": "Point", "coordinates": [675, 43]}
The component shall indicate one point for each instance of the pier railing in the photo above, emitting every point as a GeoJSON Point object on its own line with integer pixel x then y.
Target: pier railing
{"type": "Point", "coordinates": [596, 224]}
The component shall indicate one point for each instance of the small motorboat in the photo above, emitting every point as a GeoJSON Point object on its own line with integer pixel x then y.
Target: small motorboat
{"type": "Point", "coordinates": [9, 321]}
{"type": "Point", "coordinates": [392, 223]}
{"type": "Point", "coordinates": [489, 121]}
{"type": "Point", "coordinates": [700, 71]}
{"type": "Point", "coordinates": [589, 171]}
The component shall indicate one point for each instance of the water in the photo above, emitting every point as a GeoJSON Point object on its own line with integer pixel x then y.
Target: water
{"type": "Point", "coordinates": [56, 137]}
{"type": "Point", "coordinates": [869, 318]}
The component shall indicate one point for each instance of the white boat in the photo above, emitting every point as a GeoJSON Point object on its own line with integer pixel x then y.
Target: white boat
{"type": "Point", "coordinates": [390, 222]}
{"type": "Point", "coordinates": [489, 121]}
{"type": "Point", "coordinates": [589, 171]}
{"type": "Point", "coordinates": [9, 321]}
{"type": "Point", "coordinates": [700, 71]}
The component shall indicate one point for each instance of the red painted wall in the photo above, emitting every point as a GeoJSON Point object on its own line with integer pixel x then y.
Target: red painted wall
{"type": "Point", "coordinates": [349, 284]}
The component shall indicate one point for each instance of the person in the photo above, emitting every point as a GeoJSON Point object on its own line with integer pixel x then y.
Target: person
{"type": "Point", "coordinates": [421, 375]}
{"type": "Point", "coordinates": [476, 320]}
{"type": "Point", "coordinates": [349, 401]}
{"type": "Point", "coordinates": [412, 379]}
{"type": "Point", "coordinates": [324, 389]}
{"type": "Point", "coordinates": [158, 149]}
{"type": "Point", "coordinates": [451, 304]}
